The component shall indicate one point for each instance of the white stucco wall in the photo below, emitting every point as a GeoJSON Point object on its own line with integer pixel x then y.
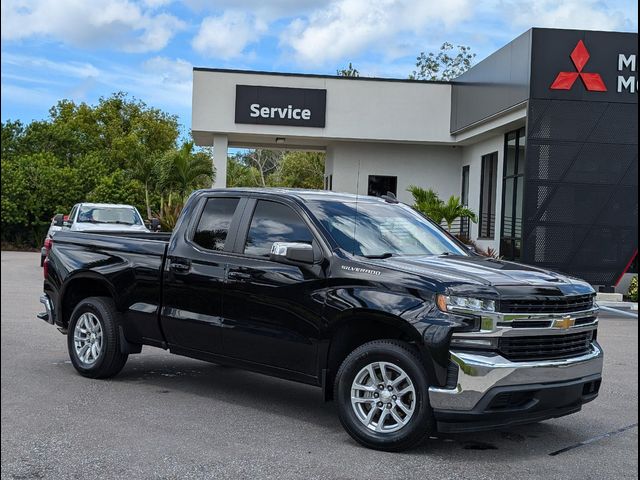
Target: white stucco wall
{"type": "Point", "coordinates": [427, 166]}
{"type": "Point", "coordinates": [357, 109]}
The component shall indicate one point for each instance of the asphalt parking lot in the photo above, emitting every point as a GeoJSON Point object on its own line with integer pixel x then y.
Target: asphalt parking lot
{"type": "Point", "coordinates": [171, 417]}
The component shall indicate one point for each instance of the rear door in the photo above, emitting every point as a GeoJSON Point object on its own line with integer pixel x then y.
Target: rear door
{"type": "Point", "coordinates": [195, 273]}
{"type": "Point", "coordinates": [270, 314]}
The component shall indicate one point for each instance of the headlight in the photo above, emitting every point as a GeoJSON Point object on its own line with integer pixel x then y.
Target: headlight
{"type": "Point", "coordinates": [448, 303]}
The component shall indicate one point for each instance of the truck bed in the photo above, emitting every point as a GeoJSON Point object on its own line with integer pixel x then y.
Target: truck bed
{"type": "Point", "coordinates": [132, 260]}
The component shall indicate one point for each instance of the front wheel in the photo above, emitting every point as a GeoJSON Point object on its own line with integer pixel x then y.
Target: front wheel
{"type": "Point", "coordinates": [93, 338]}
{"type": "Point", "coordinates": [383, 397]}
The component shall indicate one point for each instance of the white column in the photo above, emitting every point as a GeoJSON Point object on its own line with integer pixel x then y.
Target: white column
{"type": "Point", "coordinates": [220, 146]}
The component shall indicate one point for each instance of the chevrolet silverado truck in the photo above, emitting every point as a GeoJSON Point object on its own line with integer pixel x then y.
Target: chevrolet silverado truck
{"type": "Point", "coordinates": [409, 331]}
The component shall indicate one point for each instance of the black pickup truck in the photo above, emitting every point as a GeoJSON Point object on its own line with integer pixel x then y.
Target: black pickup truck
{"type": "Point", "coordinates": [406, 328]}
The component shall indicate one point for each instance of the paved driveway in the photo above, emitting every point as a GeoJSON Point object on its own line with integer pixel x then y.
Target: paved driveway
{"type": "Point", "coordinates": [170, 417]}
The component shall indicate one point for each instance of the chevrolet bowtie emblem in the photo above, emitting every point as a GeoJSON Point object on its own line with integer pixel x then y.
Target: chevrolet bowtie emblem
{"type": "Point", "coordinates": [564, 322]}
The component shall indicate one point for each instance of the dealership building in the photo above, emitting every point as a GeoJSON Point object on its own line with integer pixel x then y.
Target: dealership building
{"type": "Point", "coordinates": [540, 139]}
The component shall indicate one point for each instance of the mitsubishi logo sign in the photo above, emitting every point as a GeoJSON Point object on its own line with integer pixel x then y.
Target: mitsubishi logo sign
{"type": "Point", "coordinates": [592, 81]}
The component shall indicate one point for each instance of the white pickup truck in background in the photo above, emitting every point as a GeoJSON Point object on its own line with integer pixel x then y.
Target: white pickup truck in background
{"type": "Point", "coordinates": [94, 217]}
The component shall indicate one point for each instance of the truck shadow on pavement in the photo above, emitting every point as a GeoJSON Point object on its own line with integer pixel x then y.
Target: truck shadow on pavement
{"type": "Point", "coordinates": [304, 403]}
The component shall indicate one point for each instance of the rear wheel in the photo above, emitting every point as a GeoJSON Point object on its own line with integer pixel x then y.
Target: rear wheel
{"type": "Point", "coordinates": [93, 338]}
{"type": "Point", "coordinates": [382, 393]}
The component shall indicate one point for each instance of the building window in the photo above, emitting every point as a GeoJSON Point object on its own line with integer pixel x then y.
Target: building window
{"type": "Point", "coordinates": [464, 199]}
{"type": "Point", "coordinates": [488, 178]}
{"type": "Point", "coordinates": [381, 185]}
{"type": "Point", "coordinates": [512, 194]}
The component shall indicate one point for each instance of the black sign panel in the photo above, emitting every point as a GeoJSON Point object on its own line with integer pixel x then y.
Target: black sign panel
{"type": "Point", "coordinates": [298, 107]}
{"type": "Point", "coordinates": [584, 65]}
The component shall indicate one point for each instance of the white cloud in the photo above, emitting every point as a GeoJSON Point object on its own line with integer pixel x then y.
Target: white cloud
{"type": "Point", "coordinates": [169, 70]}
{"type": "Point", "coordinates": [348, 27]}
{"type": "Point", "coordinates": [68, 68]}
{"type": "Point", "coordinates": [268, 10]}
{"type": "Point", "coordinates": [577, 14]}
{"type": "Point", "coordinates": [159, 81]}
{"type": "Point", "coordinates": [118, 24]}
{"type": "Point", "coordinates": [226, 36]}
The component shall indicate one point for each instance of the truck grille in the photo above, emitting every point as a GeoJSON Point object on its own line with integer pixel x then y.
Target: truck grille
{"type": "Point", "coordinates": [547, 347]}
{"type": "Point", "coordinates": [573, 303]}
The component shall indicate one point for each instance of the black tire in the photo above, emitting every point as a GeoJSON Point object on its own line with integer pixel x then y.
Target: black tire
{"type": "Point", "coordinates": [110, 360]}
{"type": "Point", "coordinates": [403, 355]}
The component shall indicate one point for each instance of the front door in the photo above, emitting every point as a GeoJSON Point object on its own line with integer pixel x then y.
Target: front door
{"type": "Point", "coordinates": [270, 315]}
{"type": "Point", "coordinates": [194, 278]}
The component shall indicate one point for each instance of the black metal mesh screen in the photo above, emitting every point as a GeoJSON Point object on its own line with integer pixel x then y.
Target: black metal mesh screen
{"type": "Point", "coordinates": [581, 188]}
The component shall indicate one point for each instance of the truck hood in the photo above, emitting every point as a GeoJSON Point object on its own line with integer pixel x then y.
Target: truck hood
{"type": "Point", "coordinates": [456, 269]}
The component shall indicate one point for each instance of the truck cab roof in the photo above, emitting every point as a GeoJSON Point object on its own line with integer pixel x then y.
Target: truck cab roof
{"type": "Point", "coordinates": [300, 194]}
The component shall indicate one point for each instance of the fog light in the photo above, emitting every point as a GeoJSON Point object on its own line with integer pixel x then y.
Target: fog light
{"type": "Point", "coordinates": [485, 343]}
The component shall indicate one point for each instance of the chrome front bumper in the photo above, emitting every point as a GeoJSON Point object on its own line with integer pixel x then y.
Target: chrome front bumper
{"type": "Point", "coordinates": [480, 372]}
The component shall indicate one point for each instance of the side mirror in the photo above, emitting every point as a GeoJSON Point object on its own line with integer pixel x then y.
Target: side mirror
{"type": "Point", "coordinates": [289, 252]}
{"type": "Point", "coordinates": [154, 225]}
{"type": "Point", "coordinates": [471, 248]}
{"type": "Point", "coordinates": [58, 220]}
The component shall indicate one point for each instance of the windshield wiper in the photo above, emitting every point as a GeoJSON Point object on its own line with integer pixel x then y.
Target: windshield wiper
{"type": "Point", "coordinates": [382, 255]}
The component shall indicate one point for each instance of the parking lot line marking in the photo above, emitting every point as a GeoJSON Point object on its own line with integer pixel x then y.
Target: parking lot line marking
{"type": "Point", "coordinates": [593, 439]}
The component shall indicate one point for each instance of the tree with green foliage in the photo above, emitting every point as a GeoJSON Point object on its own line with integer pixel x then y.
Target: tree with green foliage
{"type": "Point", "coordinates": [299, 169]}
{"type": "Point", "coordinates": [452, 209]}
{"type": "Point", "coordinates": [633, 289]}
{"type": "Point", "coordinates": [264, 161]}
{"type": "Point", "coordinates": [262, 167]}
{"type": "Point", "coordinates": [239, 174]}
{"type": "Point", "coordinates": [428, 202]}
{"type": "Point", "coordinates": [143, 169]}
{"type": "Point", "coordinates": [446, 65]}
{"type": "Point", "coordinates": [181, 171]}
{"type": "Point", "coordinates": [350, 71]}
{"type": "Point", "coordinates": [105, 152]}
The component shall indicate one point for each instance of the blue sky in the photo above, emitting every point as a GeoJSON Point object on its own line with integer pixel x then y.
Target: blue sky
{"type": "Point", "coordinates": [84, 49]}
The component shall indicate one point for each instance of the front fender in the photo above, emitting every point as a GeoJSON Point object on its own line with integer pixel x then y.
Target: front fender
{"type": "Point", "coordinates": [415, 313]}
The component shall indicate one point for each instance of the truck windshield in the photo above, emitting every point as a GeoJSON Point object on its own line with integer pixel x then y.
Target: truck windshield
{"type": "Point", "coordinates": [382, 230]}
{"type": "Point", "coordinates": [114, 215]}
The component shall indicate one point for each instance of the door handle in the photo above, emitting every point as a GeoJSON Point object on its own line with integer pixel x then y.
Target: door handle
{"type": "Point", "coordinates": [235, 275]}
{"type": "Point", "coordinates": [180, 267]}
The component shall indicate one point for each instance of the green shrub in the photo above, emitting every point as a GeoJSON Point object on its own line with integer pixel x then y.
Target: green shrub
{"type": "Point", "coordinates": [633, 289]}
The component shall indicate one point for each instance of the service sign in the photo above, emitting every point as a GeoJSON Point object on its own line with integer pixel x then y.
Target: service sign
{"type": "Point", "coordinates": [298, 107]}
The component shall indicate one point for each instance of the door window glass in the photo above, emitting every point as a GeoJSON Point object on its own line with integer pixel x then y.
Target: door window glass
{"type": "Point", "coordinates": [214, 223]}
{"type": "Point", "coordinates": [274, 222]}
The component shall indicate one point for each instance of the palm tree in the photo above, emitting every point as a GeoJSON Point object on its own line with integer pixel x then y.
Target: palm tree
{"type": "Point", "coordinates": [144, 171]}
{"type": "Point", "coordinates": [426, 201]}
{"type": "Point", "coordinates": [180, 171]}
{"type": "Point", "coordinates": [453, 209]}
